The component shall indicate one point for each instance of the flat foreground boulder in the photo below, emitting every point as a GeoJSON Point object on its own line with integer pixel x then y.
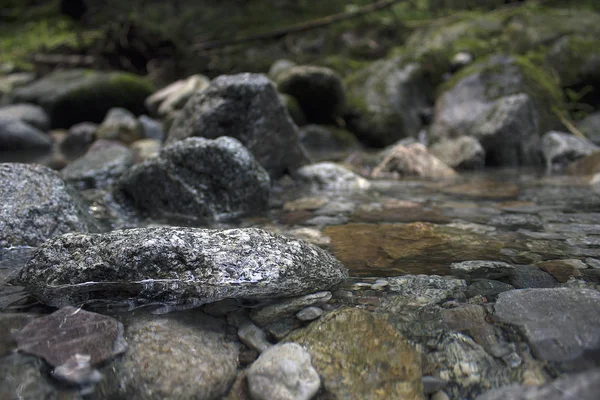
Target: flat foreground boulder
{"type": "Point", "coordinates": [177, 266]}
{"type": "Point", "coordinates": [36, 205]}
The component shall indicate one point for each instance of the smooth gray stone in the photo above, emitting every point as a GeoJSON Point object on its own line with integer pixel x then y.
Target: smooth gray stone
{"type": "Point", "coordinates": [560, 149]}
{"type": "Point", "coordinates": [309, 313]}
{"type": "Point", "coordinates": [582, 386]}
{"type": "Point", "coordinates": [283, 372]}
{"type": "Point", "coordinates": [19, 135]}
{"type": "Point", "coordinates": [331, 176]}
{"type": "Point", "coordinates": [184, 267]}
{"type": "Point", "coordinates": [561, 325]}
{"type": "Point", "coordinates": [31, 114]}
{"type": "Point", "coordinates": [287, 307]}
{"type": "Point", "coordinates": [253, 337]}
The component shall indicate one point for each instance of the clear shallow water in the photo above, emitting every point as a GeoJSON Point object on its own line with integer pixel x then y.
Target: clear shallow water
{"type": "Point", "coordinates": [397, 227]}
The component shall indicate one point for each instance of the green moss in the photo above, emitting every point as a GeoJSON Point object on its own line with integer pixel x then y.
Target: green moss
{"type": "Point", "coordinates": [343, 65]}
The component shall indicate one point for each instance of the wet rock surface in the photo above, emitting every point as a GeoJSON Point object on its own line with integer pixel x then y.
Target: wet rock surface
{"type": "Point", "coordinates": [37, 205]}
{"type": "Point", "coordinates": [199, 179]}
{"type": "Point", "coordinates": [347, 337]}
{"type": "Point", "coordinates": [16, 134]}
{"type": "Point", "coordinates": [561, 325]}
{"type": "Point", "coordinates": [177, 266]}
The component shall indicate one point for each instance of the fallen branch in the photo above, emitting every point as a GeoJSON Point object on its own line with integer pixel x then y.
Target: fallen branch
{"type": "Point", "coordinates": [301, 27]}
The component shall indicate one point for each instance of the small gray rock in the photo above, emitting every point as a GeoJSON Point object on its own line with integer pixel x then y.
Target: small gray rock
{"type": "Point", "coordinates": [31, 114]}
{"type": "Point", "coordinates": [122, 125]}
{"type": "Point", "coordinates": [309, 313]}
{"type": "Point", "coordinates": [582, 386]}
{"type": "Point", "coordinates": [16, 134]}
{"type": "Point", "coordinates": [98, 169]}
{"type": "Point", "coordinates": [152, 128]}
{"type": "Point", "coordinates": [284, 372]}
{"type": "Point", "coordinates": [200, 179]}
{"type": "Point", "coordinates": [79, 138]}
{"type": "Point", "coordinates": [488, 288]}
{"type": "Point", "coordinates": [37, 205]}
{"type": "Point", "coordinates": [288, 307]}
{"type": "Point", "coordinates": [330, 176]}
{"type": "Point", "coordinates": [432, 384]}
{"type": "Point", "coordinates": [561, 325]}
{"type": "Point", "coordinates": [253, 337]}
{"type": "Point", "coordinates": [590, 127]}
{"type": "Point", "coordinates": [477, 269]}
{"type": "Point", "coordinates": [184, 267]}
{"type": "Point", "coordinates": [247, 107]}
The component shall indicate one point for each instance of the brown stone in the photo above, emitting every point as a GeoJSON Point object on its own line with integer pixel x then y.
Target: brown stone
{"type": "Point", "coordinates": [470, 319]}
{"type": "Point", "coordinates": [562, 270]}
{"type": "Point", "coordinates": [484, 190]}
{"type": "Point", "coordinates": [417, 248]}
{"type": "Point", "coordinates": [588, 165]}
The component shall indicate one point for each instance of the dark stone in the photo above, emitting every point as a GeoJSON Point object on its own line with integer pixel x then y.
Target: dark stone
{"type": "Point", "coordinates": [16, 134]}
{"type": "Point", "coordinates": [246, 107]}
{"type": "Point", "coordinates": [488, 288]}
{"type": "Point", "coordinates": [526, 276]}
{"type": "Point", "coordinates": [37, 205]}
{"type": "Point", "coordinates": [200, 179]}
{"type": "Point", "coordinates": [177, 266]}
{"type": "Point", "coordinates": [319, 91]}
{"type": "Point", "coordinates": [561, 325]}
{"type": "Point", "coordinates": [98, 169]}
{"type": "Point", "coordinates": [69, 331]}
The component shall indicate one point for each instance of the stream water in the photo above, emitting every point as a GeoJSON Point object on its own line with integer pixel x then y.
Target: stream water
{"type": "Point", "coordinates": [396, 228]}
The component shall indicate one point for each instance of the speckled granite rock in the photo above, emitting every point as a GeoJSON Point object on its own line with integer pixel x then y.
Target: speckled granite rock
{"type": "Point", "coordinates": [177, 266]}
{"type": "Point", "coordinates": [561, 325]}
{"type": "Point", "coordinates": [349, 345]}
{"type": "Point", "coordinates": [247, 107]}
{"type": "Point", "coordinates": [185, 358]}
{"type": "Point", "coordinates": [199, 179]}
{"type": "Point", "coordinates": [98, 169]}
{"type": "Point", "coordinates": [36, 205]}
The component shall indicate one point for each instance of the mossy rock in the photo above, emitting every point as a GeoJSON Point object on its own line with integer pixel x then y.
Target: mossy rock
{"type": "Point", "coordinates": [343, 65]}
{"type": "Point", "coordinates": [293, 108]}
{"type": "Point", "coordinates": [385, 101]}
{"type": "Point", "coordinates": [76, 96]}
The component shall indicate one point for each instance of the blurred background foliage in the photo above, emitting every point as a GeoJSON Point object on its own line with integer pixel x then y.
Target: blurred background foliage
{"type": "Point", "coordinates": [161, 38]}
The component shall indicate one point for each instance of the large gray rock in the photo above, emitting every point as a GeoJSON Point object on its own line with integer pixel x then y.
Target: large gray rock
{"type": "Point", "coordinates": [560, 149]}
{"type": "Point", "coordinates": [72, 96]}
{"type": "Point", "coordinates": [37, 205]}
{"type": "Point", "coordinates": [582, 386]}
{"type": "Point", "coordinates": [18, 135]}
{"type": "Point", "coordinates": [184, 357]}
{"type": "Point", "coordinates": [319, 90]}
{"type": "Point", "coordinates": [385, 101]}
{"type": "Point", "coordinates": [505, 103]}
{"type": "Point", "coordinates": [561, 325]}
{"type": "Point", "coordinates": [246, 107]}
{"type": "Point", "coordinates": [98, 169]}
{"type": "Point", "coordinates": [177, 266]}
{"type": "Point", "coordinates": [200, 179]}
{"type": "Point", "coordinates": [29, 113]}
{"type": "Point", "coordinates": [283, 372]}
